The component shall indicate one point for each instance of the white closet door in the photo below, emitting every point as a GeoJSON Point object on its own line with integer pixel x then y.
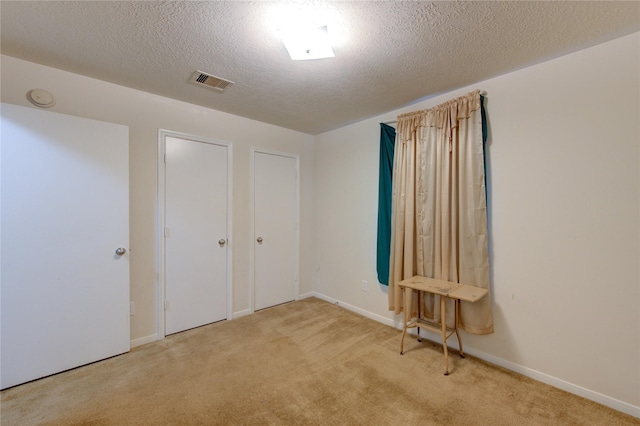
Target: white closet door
{"type": "Point", "coordinates": [196, 176]}
{"type": "Point", "coordinates": [65, 212]}
{"type": "Point", "coordinates": [276, 234]}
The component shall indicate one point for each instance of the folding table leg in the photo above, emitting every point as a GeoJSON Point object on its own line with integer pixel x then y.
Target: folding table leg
{"type": "Point", "coordinates": [406, 315]}
{"type": "Point", "coordinates": [443, 315]}
{"type": "Point", "coordinates": [420, 295]}
{"type": "Point", "coordinates": [457, 305]}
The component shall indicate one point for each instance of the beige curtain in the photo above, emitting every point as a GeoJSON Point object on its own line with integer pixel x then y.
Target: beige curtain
{"type": "Point", "coordinates": [439, 211]}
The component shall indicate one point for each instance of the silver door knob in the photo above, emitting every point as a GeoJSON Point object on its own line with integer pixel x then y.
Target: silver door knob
{"type": "Point", "coordinates": [222, 241]}
{"type": "Point", "coordinates": [120, 251]}
{"type": "Point", "coordinates": [259, 239]}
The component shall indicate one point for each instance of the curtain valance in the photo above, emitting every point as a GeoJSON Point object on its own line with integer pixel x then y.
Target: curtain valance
{"type": "Point", "coordinates": [444, 116]}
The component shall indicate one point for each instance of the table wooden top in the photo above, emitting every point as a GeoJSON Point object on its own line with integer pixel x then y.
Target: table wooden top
{"type": "Point", "coordinates": [469, 293]}
{"type": "Point", "coordinates": [449, 289]}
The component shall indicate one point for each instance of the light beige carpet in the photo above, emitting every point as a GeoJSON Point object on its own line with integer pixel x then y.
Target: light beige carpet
{"type": "Point", "coordinates": [302, 363]}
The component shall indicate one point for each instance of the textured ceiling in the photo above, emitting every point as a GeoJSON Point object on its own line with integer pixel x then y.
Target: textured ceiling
{"type": "Point", "coordinates": [390, 54]}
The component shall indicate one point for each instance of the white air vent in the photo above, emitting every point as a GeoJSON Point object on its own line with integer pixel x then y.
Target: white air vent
{"type": "Point", "coordinates": [209, 80]}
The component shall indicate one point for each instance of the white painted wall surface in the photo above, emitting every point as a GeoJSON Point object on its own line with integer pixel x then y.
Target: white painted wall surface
{"type": "Point", "coordinates": [564, 194]}
{"type": "Point", "coordinates": [144, 114]}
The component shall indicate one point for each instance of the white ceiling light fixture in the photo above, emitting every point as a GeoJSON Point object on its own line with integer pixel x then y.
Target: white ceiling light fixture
{"type": "Point", "coordinates": [308, 43]}
{"type": "Point", "coordinates": [306, 31]}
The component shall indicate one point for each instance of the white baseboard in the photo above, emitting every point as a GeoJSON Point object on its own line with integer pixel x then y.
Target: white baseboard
{"type": "Point", "coordinates": [376, 317]}
{"type": "Point", "coordinates": [143, 340]}
{"type": "Point", "coordinates": [305, 295]}
{"type": "Point", "coordinates": [242, 313]}
{"type": "Point", "coordinates": [616, 404]}
{"type": "Point", "coordinates": [608, 401]}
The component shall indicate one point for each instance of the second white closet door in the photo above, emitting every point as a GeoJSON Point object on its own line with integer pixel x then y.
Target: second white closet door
{"type": "Point", "coordinates": [275, 239]}
{"type": "Point", "coordinates": [195, 234]}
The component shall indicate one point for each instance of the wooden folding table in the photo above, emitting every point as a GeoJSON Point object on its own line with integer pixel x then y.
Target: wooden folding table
{"type": "Point", "coordinates": [446, 290]}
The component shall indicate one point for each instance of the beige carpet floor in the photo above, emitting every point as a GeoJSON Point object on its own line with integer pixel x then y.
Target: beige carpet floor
{"type": "Point", "coordinates": [302, 363]}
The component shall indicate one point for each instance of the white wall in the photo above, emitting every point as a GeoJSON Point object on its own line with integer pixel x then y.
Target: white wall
{"type": "Point", "coordinates": [145, 113]}
{"type": "Point", "coordinates": [564, 193]}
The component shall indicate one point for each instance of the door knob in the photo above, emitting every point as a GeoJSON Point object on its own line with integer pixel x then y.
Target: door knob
{"type": "Point", "coordinates": [259, 239]}
{"type": "Point", "coordinates": [222, 241]}
{"type": "Point", "coordinates": [120, 251]}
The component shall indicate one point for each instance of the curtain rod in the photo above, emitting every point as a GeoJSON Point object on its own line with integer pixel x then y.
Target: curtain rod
{"type": "Point", "coordinates": [482, 92]}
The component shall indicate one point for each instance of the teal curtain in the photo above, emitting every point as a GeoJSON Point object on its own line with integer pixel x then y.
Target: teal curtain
{"type": "Point", "coordinates": [485, 135]}
{"type": "Point", "coordinates": [483, 113]}
{"type": "Point", "coordinates": [387, 144]}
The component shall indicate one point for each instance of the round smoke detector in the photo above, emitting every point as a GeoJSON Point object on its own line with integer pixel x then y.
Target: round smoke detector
{"type": "Point", "coordinates": [41, 98]}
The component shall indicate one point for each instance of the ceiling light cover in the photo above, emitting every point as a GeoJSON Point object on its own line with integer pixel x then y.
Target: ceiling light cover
{"type": "Point", "coordinates": [308, 43]}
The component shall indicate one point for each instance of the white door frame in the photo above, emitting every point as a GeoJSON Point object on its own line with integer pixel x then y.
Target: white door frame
{"type": "Point", "coordinates": [252, 246]}
{"type": "Point", "coordinates": [161, 221]}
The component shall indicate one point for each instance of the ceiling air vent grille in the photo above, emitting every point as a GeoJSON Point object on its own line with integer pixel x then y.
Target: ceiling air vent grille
{"type": "Point", "coordinates": [211, 81]}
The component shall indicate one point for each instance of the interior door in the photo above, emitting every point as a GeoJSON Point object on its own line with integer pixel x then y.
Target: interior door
{"type": "Point", "coordinates": [65, 213]}
{"type": "Point", "coordinates": [196, 246]}
{"type": "Point", "coordinates": [275, 229]}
